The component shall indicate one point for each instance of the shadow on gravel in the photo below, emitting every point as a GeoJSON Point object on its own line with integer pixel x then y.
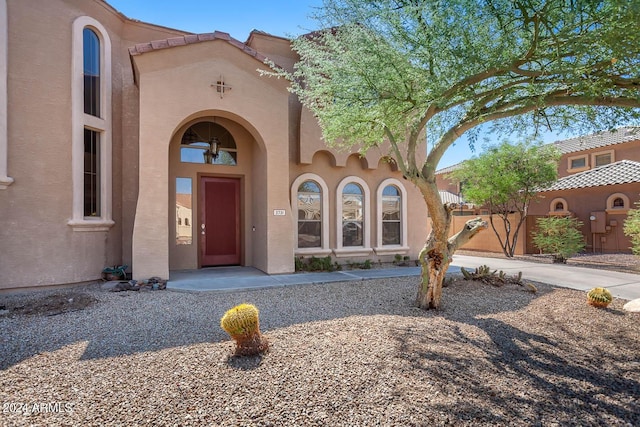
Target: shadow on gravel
{"type": "Point", "coordinates": [126, 323]}
{"type": "Point", "coordinates": [542, 379]}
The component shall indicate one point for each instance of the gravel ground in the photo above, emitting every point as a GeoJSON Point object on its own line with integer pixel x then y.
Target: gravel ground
{"type": "Point", "coordinates": [342, 354]}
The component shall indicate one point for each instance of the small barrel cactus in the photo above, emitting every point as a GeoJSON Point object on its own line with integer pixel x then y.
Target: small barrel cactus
{"type": "Point", "coordinates": [599, 297]}
{"type": "Point", "coordinates": [242, 323]}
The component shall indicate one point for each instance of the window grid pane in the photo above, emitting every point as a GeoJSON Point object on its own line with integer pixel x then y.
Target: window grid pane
{"type": "Point", "coordinates": [309, 215]}
{"type": "Point", "coordinates": [91, 71]}
{"type": "Point", "coordinates": [352, 216]}
{"type": "Point", "coordinates": [391, 216]}
{"type": "Point", "coordinates": [91, 173]}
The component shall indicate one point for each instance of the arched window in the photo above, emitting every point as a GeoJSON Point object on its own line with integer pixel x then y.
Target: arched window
{"type": "Point", "coordinates": [559, 207]}
{"type": "Point", "coordinates": [309, 215]}
{"type": "Point", "coordinates": [310, 204]}
{"type": "Point", "coordinates": [618, 203]}
{"type": "Point", "coordinates": [392, 218]}
{"type": "Point", "coordinates": [353, 215]}
{"type": "Point", "coordinates": [91, 126]}
{"type": "Point", "coordinates": [208, 142]}
{"type": "Point", "coordinates": [91, 71]}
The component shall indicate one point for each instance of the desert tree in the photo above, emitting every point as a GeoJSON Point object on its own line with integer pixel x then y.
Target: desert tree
{"type": "Point", "coordinates": [506, 178]}
{"type": "Point", "coordinates": [416, 75]}
{"type": "Point", "coordinates": [632, 228]}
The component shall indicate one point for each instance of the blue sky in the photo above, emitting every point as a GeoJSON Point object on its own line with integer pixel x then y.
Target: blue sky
{"type": "Point", "coordinates": [283, 18]}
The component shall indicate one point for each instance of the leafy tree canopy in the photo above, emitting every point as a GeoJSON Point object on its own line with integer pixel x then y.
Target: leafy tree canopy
{"type": "Point", "coordinates": [395, 68]}
{"type": "Point", "coordinates": [508, 176]}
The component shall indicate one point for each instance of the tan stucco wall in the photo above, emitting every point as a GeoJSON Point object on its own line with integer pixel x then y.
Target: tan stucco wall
{"type": "Point", "coordinates": [37, 245]}
{"type": "Point", "coordinates": [584, 201]}
{"type": "Point", "coordinates": [323, 164]}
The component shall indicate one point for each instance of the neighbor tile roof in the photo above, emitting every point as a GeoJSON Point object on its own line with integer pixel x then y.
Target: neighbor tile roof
{"type": "Point", "coordinates": [449, 197]}
{"type": "Point", "coordinates": [597, 140]}
{"type": "Point", "coordinates": [622, 172]}
{"type": "Point", "coordinates": [154, 45]}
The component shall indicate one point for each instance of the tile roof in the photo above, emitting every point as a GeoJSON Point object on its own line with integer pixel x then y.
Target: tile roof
{"type": "Point", "coordinates": [449, 197]}
{"type": "Point", "coordinates": [622, 172]}
{"type": "Point", "coordinates": [599, 139]}
{"type": "Point", "coordinates": [154, 45]}
{"type": "Point", "coordinates": [449, 168]}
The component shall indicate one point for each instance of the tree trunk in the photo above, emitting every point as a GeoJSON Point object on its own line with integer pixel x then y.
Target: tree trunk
{"type": "Point", "coordinates": [435, 258]}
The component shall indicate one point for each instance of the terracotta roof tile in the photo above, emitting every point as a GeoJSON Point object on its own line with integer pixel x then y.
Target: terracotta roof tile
{"type": "Point", "coordinates": [599, 139]}
{"type": "Point", "coordinates": [142, 48]}
{"type": "Point", "coordinates": [622, 172]}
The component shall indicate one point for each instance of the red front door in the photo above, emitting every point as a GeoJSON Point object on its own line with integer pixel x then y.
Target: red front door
{"type": "Point", "coordinates": [219, 221]}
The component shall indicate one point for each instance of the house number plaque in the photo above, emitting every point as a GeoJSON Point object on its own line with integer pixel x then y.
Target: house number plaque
{"type": "Point", "coordinates": [279, 212]}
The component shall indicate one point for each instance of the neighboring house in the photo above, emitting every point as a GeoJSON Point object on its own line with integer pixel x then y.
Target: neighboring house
{"type": "Point", "coordinates": [599, 181]}
{"type": "Point", "coordinates": [123, 142]}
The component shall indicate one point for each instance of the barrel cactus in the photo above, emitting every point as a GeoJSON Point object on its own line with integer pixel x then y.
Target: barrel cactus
{"type": "Point", "coordinates": [242, 323]}
{"type": "Point", "coordinates": [599, 297]}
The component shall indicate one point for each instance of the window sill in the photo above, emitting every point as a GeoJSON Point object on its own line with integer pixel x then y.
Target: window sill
{"type": "Point", "coordinates": [90, 225]}
{"type": "Point", "coordinates": [391, 250]}
{"type": "Point", "coordinates": [621, 211]}
{"type": "Point", "coordinates": [312, 252]}
{"type": "Point", "coordinates": [5, 181]}
{"type": "Point", "coordinates": [355, 251]}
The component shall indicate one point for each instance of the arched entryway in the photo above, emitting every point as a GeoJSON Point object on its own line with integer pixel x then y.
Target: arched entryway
{"type": "Point", "coordinates": [211, 164]}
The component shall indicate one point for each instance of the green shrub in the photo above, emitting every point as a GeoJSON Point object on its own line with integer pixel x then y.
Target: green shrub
{"type": "Point", "coordinates": [559, 236]}
{"type": "Point", "coordinates": [632, 228]}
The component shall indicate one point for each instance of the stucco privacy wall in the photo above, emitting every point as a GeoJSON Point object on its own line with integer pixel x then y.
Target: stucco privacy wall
{"type": "Point", "coordinates": [175, 86]}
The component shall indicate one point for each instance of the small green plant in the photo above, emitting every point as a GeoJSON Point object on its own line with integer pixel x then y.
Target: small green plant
{"type": "Point", "coordinates": [559, 236]}
{"type": "Point", "coordinates": [367, 265]}
{"type": "Point", "coordinates": [599, 297]}
{"type": "Point", "coordinates": [316, 264]}
{"type": "Point", "coordinates": [397, 259]}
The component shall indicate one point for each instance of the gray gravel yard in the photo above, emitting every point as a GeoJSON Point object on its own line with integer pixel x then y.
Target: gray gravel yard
{"type": "Point", "coordinates": [342, 354]}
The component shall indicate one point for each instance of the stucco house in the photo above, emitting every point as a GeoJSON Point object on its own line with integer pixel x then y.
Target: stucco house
{"type": "Point", "coordinates": [124, 142]}
{"type": "Point", "coordinates": [598, 182]}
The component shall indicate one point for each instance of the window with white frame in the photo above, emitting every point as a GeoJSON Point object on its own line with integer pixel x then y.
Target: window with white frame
{"type": "Point", "coordinates": [309, 215]}
{"type": "Point", "coordinates": [91, 126]}
{"type": "Point", "coordinates": [391, 207]}
{"type": "Point", "coordinates": [310, 205]}
{"type": "Point", "coordinates": [353, 215]}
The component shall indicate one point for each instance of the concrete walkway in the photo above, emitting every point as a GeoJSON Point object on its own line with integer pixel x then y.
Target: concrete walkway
{"type": "Point", "coordinates": [621, 285]}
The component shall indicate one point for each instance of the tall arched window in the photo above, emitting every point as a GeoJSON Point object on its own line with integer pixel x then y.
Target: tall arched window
{"type": "Point", "coordinates": [91, 126]}
{"type": "Point", "coordinates": [391, 209]}
{"type": "Point", "coordinates": [391, 216]}
{"type": "Point", "coordinates": [353, 216]}
{"type": "Point", "coordinates": [91, 71]}
{"type": "Point", "coordinates": [309, 215]}
{"type": "Point", "coordinates": [310, 204]}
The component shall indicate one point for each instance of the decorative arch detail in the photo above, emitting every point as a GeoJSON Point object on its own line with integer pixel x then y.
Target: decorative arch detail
{"type": "Point", "coordinates": [559, 207]}
{"type": "Point", "coordinates": [618, 203]}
